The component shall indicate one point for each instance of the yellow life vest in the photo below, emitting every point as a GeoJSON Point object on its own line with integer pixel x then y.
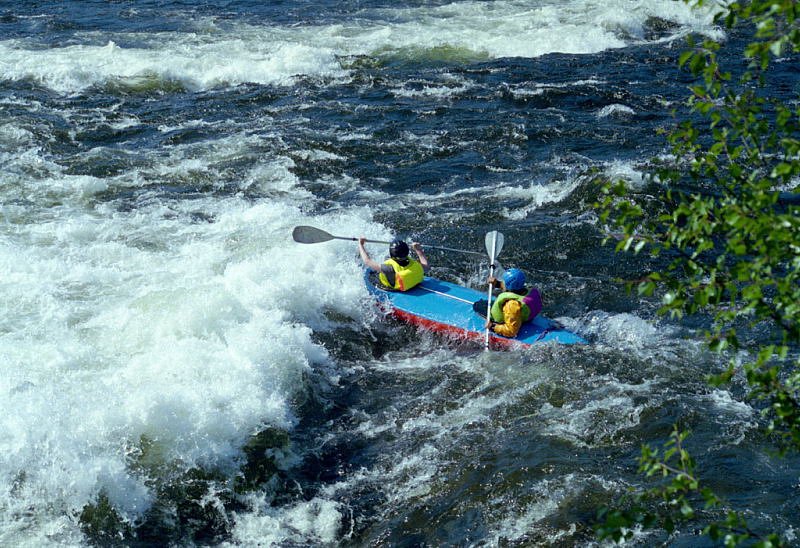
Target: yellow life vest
{"type": "Point", "coordinates": [502, 298]}
{"type": "Point", "coordinates": [405, 277]}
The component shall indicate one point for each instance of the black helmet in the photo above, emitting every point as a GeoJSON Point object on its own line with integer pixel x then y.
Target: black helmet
{"type": "Point", "coordinates": [398, 249]}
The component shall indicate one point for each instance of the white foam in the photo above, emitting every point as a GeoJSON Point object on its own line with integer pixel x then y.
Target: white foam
{"type": "Point", "coordinates": [723, 401]}
{"type": "Point", "coordinates": [622, 330]}
{"type": "Point", "coordinates": [608, 411]}
{"type": "Point", "coordinates": [627, 171]}
{"type": "Point", "coordinates": [537, 195]}
{"type": "Point", "coordinates": [532, 193]}
{"type": "Point", "coordinates": [314, 522]}
{"type": "Point", "coordinates": [279, 55]}
{"type": "Point", "coordinates": [75, 186]}
{"type": "Point", "coordinates": [548, 494]}
{"type": "Point", "coordinates": [12, 135]}
{"type": "Point", "coordinates": [118, 325]}
{"type": "Point", "coordinates": [616, 111]}
{"type": "Point", "coordinates": [192, 62]}
{"type": "Point", "coordinates": [163, 128]}
{"type": "Point", "coordinates": [791, 186]}
{"type": "Point", "coordinates": [533, 89]}
{"type": "Point", "coordinates": [444, 91]}
{"type": "Point", "coordinates": [319, 156]}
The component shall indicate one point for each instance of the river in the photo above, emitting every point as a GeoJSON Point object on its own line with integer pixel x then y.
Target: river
{"type": "Point", "coordinates": [174, 369]}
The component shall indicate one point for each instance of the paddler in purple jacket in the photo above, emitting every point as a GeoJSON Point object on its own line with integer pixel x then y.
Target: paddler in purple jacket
{"type": "Point", "coordinates": [515, 305]}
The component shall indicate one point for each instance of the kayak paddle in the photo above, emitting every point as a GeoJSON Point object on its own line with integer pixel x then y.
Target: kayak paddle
{"type": "Point", "coordinates": [312, 235]}
{"type": "Point", "coordinates": [494, 244]}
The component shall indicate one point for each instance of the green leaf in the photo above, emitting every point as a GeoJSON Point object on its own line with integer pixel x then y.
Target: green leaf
{"type": "Point", "coordinates": [782, 170]}
{"type": "Point", "coordinates": [646, 288]}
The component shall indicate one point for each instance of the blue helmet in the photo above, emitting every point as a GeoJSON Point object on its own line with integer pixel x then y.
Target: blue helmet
{"type": "Point", "coordinates": [514, 279]}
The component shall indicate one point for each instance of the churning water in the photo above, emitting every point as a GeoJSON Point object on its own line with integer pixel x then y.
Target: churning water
{"type": "Point", "coordinates": [174, 369]}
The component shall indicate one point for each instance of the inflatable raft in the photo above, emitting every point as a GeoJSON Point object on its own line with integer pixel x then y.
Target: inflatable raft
{"type": "Point", "coordinates": [447, 308]}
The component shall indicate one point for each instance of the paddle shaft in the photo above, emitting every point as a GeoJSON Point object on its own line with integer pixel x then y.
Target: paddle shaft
{"type": "Point", "coordinates": [356, 239]}
{"type": "Point", "coordinates": [489, 297]}
{"type": "Point", "coordinates": [311, 235]}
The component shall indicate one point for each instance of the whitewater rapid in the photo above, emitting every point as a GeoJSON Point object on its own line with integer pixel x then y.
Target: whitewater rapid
{"type": "Point", "coordinates": [213, 52]}
{"type": "Point", "coordinates": [151, 296]}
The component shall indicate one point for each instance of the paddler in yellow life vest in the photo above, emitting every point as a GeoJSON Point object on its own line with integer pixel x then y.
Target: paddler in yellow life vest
{"type": "Point", "coordinates": [514, 306]}
{"type": "Point", "coordinates": [399, 271]}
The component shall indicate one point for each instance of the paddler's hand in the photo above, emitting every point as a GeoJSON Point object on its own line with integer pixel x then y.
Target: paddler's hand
{"type": "Point", "coordinates": [363, 251]}
{"type": "Point", "coordinates": [492, 280]}
{"type": "Point", "coordinates": [416, 247]}
{"type": "Point", "coordinates": [489, 324]}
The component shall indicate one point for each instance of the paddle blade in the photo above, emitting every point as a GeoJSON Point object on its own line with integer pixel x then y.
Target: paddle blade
{"type": "Point", "coordinates": [310, 235]}
{"type": "Point", "coordinates": [494, 243]}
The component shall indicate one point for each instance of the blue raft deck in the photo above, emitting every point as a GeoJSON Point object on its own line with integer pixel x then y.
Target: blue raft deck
{"type": "Point", "coordinates": [446, 308]}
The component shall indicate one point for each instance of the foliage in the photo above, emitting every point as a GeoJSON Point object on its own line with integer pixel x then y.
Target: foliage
{"type": "Point", "coordinates": [728, 229]}
{"type": "Point", "coordinates": [678, 495]}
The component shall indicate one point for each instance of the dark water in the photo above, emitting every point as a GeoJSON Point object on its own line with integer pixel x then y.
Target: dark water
{"type": "Point", "coordinates": [179, 371]}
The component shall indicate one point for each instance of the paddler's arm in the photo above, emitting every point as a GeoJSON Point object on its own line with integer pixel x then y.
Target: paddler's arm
{"type": "Point", "coordinates": [423, 260]}
{"type": "Point", "coordinates": [372, 265]}
{"type": "Point", "coordinates": [512, 313]}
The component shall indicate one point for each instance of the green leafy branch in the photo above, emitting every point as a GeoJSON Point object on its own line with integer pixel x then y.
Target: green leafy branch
{"type": "Point", "coordinates": [682, 496]}
{"type": "Point", "coordinates": [679, 498]}
{"type": "Point", "coordinates": [726, 230]}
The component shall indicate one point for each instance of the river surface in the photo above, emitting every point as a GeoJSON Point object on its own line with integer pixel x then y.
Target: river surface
{"type": "Point", "coordinates": [174, 369]}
